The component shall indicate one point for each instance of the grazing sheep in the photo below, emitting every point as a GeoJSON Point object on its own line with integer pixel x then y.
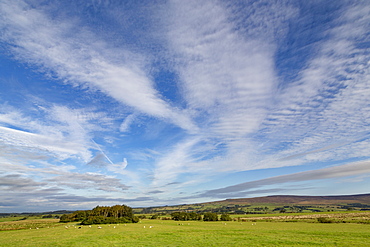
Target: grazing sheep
{"type": "Point", "coordinates": [99, 227]}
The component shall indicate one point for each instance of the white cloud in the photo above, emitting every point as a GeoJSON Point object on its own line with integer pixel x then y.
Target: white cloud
{"type": "Point", "coordinates": [125, 126]}
{"type": "Point", "coordinates": [326, 110]}
{"type": "Point", "coordinates": [61, 133]}
{"type": "Point", "coordinates": [347, 170]}
{"type": "Point", "coordinates": [175, 162]}
{"type": "Point", "coordinates": [228, 80]}
{"type": "Point", "coordinates": [118, 73]}
{"type": "Point", "coordinates": [238, 113]}
{"type": "Point", "coordinates": [89, 181]}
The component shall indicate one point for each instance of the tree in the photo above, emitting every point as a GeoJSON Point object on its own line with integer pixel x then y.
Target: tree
{"type": "Point", "coordinates": [102, 215]}
{"type": "Point", "coordinates": [194, 216]}
{"type": "Point", "coordinates": [183, 216]}
{"type": "Point", "coordinates": [179, 216]}
{"type": "Point", "coordinates": [154, 217]}
{"type": "Point", "coordinates": [225, 217]}
{"type": "Point", "coordinates": [210, 217]}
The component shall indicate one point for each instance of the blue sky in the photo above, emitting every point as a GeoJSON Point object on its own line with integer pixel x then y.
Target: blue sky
{"type": "Point", "coordinates": [150, 103]}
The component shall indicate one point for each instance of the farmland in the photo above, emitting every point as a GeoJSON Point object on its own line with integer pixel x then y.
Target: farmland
{"type": "Point", "coordinates": [271, 204]}
{"type": "Point", "coordinates": [277, 230]}
{"type": "Point", "coordinates": [265, 221]}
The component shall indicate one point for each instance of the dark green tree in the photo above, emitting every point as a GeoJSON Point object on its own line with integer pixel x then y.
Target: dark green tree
{"type": "Point", "coordinates": [225, 217]}
{"type": "Point", "coordinates": [102, 215]}
{"type": "Point", "coordinates": [183, 216]}
{"type": "Point", "coordinates": [194, 216]}
{"type": "Point", "coordinates": [210, 216]}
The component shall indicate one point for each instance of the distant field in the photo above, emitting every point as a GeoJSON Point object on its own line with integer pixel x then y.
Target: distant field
{"type": "Point", "coordinates": [27, 224]}
{"type": "Point", "coordinates": [270, 204]}
{"type": "Point", "coordinates": [5, 219]}
{"type": "Point", "coordinates": [188, 233]}
{"type": "Point", "coordinates": [328, 217]}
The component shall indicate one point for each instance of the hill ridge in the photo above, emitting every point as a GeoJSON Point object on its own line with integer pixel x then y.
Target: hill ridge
{"type": "Point", "coordinates": [297, 199]}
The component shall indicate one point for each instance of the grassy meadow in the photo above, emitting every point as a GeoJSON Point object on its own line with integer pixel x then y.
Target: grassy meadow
{"type": "Point", "coordinates": [184, 233]}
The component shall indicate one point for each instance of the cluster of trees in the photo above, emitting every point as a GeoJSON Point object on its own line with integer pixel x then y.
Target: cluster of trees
{"type": "Point", "coordinates": [102, 215]}
{"type": "Point", "coordinates": [49, 216]}
{"type": "Point", "coordinates": [183, 216]}
{"type": "Point", "coordinates": [209, 216]}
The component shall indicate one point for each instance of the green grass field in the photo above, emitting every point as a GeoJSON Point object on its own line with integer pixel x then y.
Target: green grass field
{"type": "Point", "coordinates": [173, 233]}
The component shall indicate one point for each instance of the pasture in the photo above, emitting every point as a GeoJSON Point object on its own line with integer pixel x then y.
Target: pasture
{"type": "Point", "coordinates": [188, 233]}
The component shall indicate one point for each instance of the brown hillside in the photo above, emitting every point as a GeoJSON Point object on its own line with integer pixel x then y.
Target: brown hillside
{"type": "Point", "coordinates": [300, 200]}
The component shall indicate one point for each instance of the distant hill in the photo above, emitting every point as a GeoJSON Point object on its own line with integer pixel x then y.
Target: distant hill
{"type": "Point", "coordinates": [269, 204]}
{"type": "Point", "coordinates": [299, 200]}
{"type": "Point", "coordinates": [59, 212]}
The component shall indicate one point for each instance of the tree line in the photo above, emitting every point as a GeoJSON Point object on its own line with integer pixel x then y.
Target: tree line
{"type": "Point", "coordinates": [209, 216]}
{"type": "Point", "coordinates": [102, 215]}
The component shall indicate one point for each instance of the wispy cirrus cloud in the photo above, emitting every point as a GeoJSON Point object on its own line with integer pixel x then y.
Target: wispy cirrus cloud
{"type": "Point", "coordinates": [89, 180]}
{"type": "Point", "coordinates": [61, 133]}
{"type": "Point", "coordinates": [117, 72]}
{"type": "Point", "coordinates": [15, 182]}
{"type": "Point", "coordinates": [187, 92]}
{"type": "Point", "coordinates": [351, 169]}
{"type": "Point", "coordinates": [329, 98]}
{"type": "Point", "coordinates": [53, 182]}
{"type": "Point", "coordinates": [230, 81]}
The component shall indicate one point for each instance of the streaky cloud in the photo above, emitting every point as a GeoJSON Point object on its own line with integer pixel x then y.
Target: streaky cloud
{"type": "Point", "coordinates": [120, 75]}
{"type": "Point", "coordinates": [346, 170]}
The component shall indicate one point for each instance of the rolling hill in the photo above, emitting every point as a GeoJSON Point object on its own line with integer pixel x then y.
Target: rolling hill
{"type": "Point", "coordinates": [270, 204]}
{"type": "Point", "coordinates": [299, 200]}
